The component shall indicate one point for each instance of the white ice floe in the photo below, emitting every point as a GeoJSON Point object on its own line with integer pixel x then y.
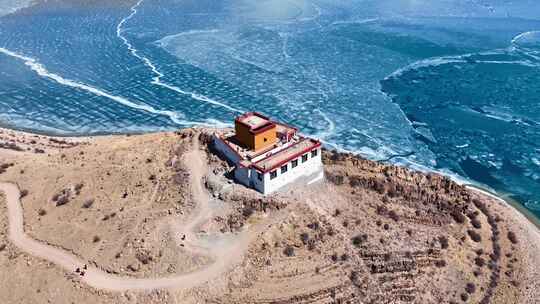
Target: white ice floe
{"type": "Point", "coordinates": [11, 6]}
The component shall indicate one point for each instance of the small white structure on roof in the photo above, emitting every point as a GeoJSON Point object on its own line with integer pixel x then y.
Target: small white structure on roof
{"type": "Point", "coordinates": [269, 155]}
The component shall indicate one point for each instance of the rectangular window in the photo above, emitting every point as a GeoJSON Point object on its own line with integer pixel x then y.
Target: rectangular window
{"type": "Point", "coordinates": [284, 168]}
{"type": "Point", "coordinates": [304, 158]}
{"type": "Point", "coordinates": [259, 176]}
{"type": "Point", "coordinates": [295, 163]}
{"type": "Point", "coordinates": [273, 174]}
{"type": "Point", "coordinates": [314, 153]}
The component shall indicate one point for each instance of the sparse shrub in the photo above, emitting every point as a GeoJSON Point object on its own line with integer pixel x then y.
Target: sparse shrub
{"type": "Point", "coordinates": [345, 224]}
{"type": "Point", "coordinates": [358, 240]}
{"type": "Point", "coordinates": [386, 227]}
{"type": "Point", "coordinates": [382, 210]}
{"type": "Point", "coordinates": [106, 217]}
{"type": "Point", "coordinates": [152, 177]}
{"type": "Point", "coordinates": [313, 226]}
{"type": "Point", "coordinates": [344, 257]}
{"type": "Point", "coordinates": [181, 178]}
{"type": "Point", "coordinates": [512, 237]}
{"type": "Point", "coordinates": [78, 188]}
{"type": "Point", "coordinates": [458, 216]}
{"type": "Point", "coordinates": [392, 191]}
{"type": "Point", "coordinates": [393, 215]}
{"type": "Point", "coordinates": [248, 211]}
{"type": "Point", "coordinates": [11, 146]}
{"type": "Point", "coordinates": [24, 193]}
{"type": "Point", "coordinates": [443, 240]}
{"type": "Point", "coordinates": [62, 200]}
{"type": "Point", "coordinates": [311, 245]}
{"type": "Point", "coordinates": [378, 186]}
{"type": "Point", "coordinates": [88, 203]}
{"type": "Point", "coordinates": [495, 256]}
{"type": "Point", "coordinates": [479, 261]}
{"type": "Point", "coordinates": [476, 223]}
{"type": "Point", "coordinates": [289, 251]}
{"type": "Point", "coordinates": [470, 288]}
{"type": "Point", "coordinates": [131, 268]}
{"type": "Point", "coordinates": [143, 257]}
{"type": "Point", "coordinates": [354, 276]}
{"type": "Point", "coordinates": [337, 212]}
{"type": "Point", "coordinates": [330, 231]}
{"type": "Point", "coordinates": [42, 212]}
{"type": "Point", "coordinates": [334, 257]}
{"type": "Point", "coordinates": [96, 239]}
{"type": "Point", "coordinates": [464, 297]}
{"type": "Point", "coordinates": [474, 236]}
{"type": "Point", "coordinates": [2, 247]}
{"type": "Point", "coordinates": [335, 179]}
{"type": "Point", "coordinates": [356, 181]}
{"type": "Point", "coordinates": [305, 238]}
{"type": "Point", "coordinates": [440, 263]}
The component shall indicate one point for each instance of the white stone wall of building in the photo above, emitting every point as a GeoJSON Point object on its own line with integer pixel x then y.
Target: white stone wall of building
{"type": "Point", "coordinates": [311, 167]}
{"type": "Point", "coordinates": [249, 177]}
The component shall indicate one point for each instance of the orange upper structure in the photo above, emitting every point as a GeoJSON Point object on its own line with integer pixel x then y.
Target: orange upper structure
{"type": "Point", "coordinates": [255, 131]}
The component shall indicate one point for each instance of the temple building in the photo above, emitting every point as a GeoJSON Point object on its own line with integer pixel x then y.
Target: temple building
{"type": "Point", "coordinates": [270, 155]}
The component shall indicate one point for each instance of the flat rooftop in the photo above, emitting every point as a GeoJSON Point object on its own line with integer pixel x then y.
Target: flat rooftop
{"type": "Point", "coordinates": [247, 154]}
{"type": "Point", "coordinates": [288, 147]}
{"type": "Point", "coordinates": [253, 120]}
{"type": "Point", "coordinates": [296, 150]}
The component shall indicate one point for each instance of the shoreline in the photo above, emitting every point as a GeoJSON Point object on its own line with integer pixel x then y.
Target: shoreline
{"type": "Point", "coordinates": [30, 131]}
{"type": "Point", "coordinates": [515, 205]}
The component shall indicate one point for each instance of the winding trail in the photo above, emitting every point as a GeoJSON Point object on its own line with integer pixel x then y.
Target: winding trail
{"type": "Point", "coordinates": [223, 259]}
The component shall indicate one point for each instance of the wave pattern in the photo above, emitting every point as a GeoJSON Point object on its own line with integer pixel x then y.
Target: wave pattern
{"type": "Point", "coordinates": [157, 79]}
{"type": "Point", "coordinates": [366, 76]}
{"type": "Point", "coordinates": [43, 72]}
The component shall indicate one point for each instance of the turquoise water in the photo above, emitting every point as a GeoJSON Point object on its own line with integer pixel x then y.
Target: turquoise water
{"type": "Point", "coordinates": [437, 85]}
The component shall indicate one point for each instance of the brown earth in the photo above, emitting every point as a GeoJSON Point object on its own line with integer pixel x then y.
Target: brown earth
{"type": "Point", "coordinates": [369, 233]}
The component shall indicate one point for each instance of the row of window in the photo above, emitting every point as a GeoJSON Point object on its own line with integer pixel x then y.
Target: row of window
{"type": "Point", "coordinates": [294, 164]}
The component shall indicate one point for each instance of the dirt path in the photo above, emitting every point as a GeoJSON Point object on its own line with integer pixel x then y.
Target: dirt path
{"type": "Point", "coordinates": [188, 233]}
{"type": "Point", "coordinates": [223, 258]}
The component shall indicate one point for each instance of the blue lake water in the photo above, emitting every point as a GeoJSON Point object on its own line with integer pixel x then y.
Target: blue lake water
{"type": "Point", "coordinates": [452, 86]}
